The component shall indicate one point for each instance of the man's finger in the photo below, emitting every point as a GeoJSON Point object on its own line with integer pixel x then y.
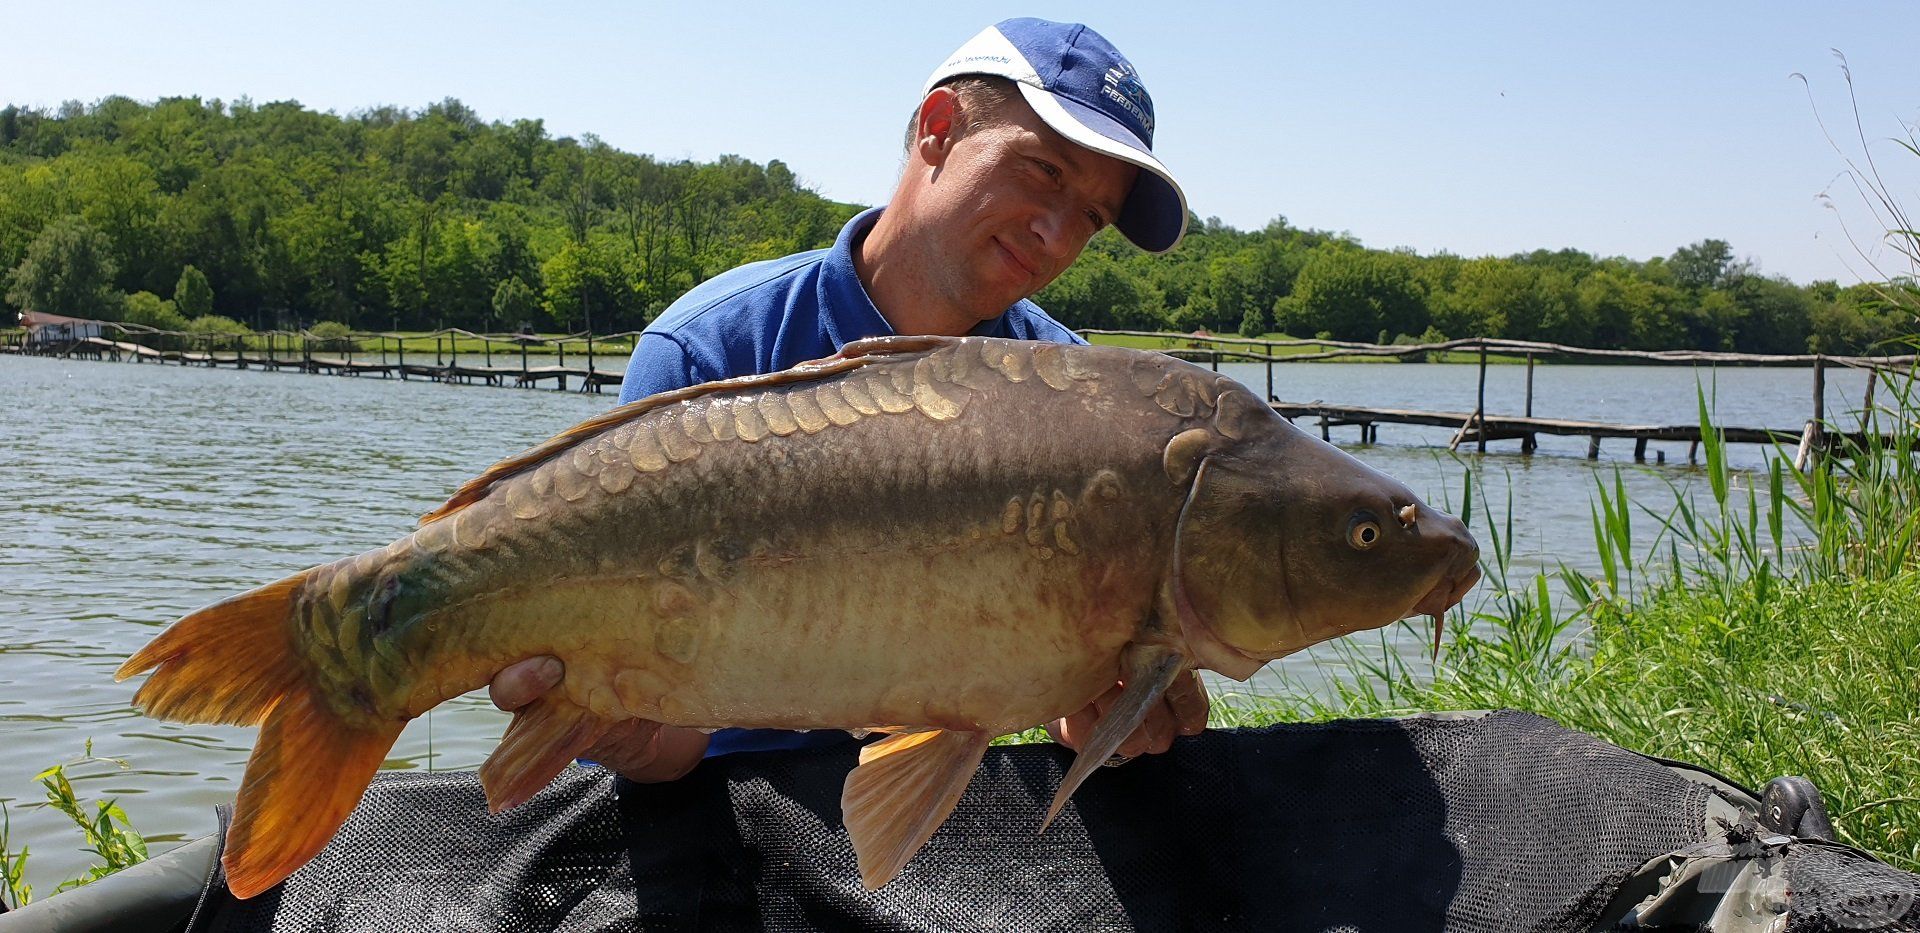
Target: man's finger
{"type": "Point", "coordinates": [523, 682]}
{"type": "Point", "coordinates": [1160, 729]}
{"type": "Point", "coordinates": [628, 745]}
{"type": "Point", "coordinates": [1188, 700]}
{"type": "Point", "coordinates": [1073, 730]}
{"type": "Point", "coordinates": [676, 751]}
{"type": "Point", "coordinates": [647, 752]}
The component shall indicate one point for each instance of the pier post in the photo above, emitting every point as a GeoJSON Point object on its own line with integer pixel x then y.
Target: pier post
{"type": "Point", "coordinates": [1819, 402]}
{"type": "Point", "coordinates": [1216, 361]}
{"type": "Point", "coordinates": [562, 348]}
{"type": "Point", "coordinates": [1639, 450]}
{"type": "Point", "coordinates": [1480, 409]}
{"type": "Point", "coordinates": [400, 347]}
{"type": "Point", "coordinates": [523, 365]}
{"type": "Point", "coordinates": [436, 352]}
{"type": "Point", "coordinates": [1593, 447]}
{"type": "Point", "coordinates": [1529, 442]}
{"type": "Point", "coordinates": [1803, 457]}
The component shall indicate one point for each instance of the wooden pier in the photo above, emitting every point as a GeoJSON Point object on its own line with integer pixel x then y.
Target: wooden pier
{"type": "Point", "coordinates": [300, 358]}
{"type": "Point", "coordinates": [388, 359]}
{"type": "Point", "coordinates": [1471, 429]}
{"type": "Point", "coordinates": [1478, 427]}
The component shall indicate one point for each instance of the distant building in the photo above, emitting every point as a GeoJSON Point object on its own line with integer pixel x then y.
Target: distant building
{"type": "Point", "coordinates": [54, 328]}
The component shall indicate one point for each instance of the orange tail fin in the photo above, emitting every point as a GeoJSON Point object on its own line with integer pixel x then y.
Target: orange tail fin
{"type": "Point", "coordinates": [234, 662]}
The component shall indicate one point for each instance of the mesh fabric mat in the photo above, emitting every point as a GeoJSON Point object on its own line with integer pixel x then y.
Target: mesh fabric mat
{"type": "Point", "coordinates": [1833, 889]}
{"type": "Point", "coordinates": [1506, 822]}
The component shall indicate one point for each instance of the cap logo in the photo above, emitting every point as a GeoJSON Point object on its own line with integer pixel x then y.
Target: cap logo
{"type": "Point", "coordinates": [1123, 87]}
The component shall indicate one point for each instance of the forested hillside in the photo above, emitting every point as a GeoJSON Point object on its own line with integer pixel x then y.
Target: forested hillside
{"type": "Point", "coordinates": [185, 212]}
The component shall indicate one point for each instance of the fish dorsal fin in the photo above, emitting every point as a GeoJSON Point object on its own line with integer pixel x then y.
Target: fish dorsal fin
{"type": "Point", "coordinates": [852, 356]}
{"type": "Point", "coordinates": [902, 791]}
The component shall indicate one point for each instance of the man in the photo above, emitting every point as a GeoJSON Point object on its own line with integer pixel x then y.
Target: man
{"type": "Point", "coordinates": [1027, 141]}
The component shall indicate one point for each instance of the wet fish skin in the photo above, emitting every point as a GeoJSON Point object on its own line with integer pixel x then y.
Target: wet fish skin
{"type": "Point", "coordinates": [963, 535]}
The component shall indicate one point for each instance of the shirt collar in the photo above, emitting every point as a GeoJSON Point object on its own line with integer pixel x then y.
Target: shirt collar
{"type": "Point", "coordinates": [851, 314]}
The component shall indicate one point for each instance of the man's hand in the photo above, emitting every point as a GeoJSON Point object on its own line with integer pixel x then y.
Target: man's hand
{"type": "Point", "coordinates": [1182, 710]}
{"type": "Point", "coordinates": [642, 751]}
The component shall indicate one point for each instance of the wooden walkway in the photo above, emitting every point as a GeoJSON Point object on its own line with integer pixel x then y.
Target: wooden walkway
{"type": "Point", "coordinates": [522, 376]}
{"type": "Point", "coordinates": [1471, 429]}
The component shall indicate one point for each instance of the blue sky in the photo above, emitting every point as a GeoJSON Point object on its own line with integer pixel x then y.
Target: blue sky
{"type": "Point", "coordinates": [1617, 128]}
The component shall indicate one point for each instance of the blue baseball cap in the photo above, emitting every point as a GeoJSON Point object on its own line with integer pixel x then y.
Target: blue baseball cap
{"type": "Point", "coordinates": [1088, 92]}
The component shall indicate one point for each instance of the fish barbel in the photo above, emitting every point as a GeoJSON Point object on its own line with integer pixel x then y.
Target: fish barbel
{"type": "Point", "coordinates": [947, 539]}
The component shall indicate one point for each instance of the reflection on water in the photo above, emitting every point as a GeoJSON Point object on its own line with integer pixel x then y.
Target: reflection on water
{"type": "Point", "coordinates": [134, 494]}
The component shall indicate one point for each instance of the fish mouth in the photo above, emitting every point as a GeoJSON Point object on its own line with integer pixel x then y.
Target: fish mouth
{"type": "Point", "coordinates": [1446, 593]}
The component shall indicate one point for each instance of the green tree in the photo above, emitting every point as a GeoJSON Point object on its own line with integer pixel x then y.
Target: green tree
{"type": "Point", "coordinates": [1357, 294]}
{"type": "Point", "coordinates": [1776, 316]}
{"type": "Point", "coordinates": [514, 303]}
{"type": "Point", "coordinates": [1705, 264]}
{"type": "Point", "coordinates": [192, 296]}
{"type": "Point", "coordinates": [584, 283]}
{"type": "Point", "coordinates": [68, 270]}
{"type": "Point", "coordinates": [1100, 292]}
{"type": "Point", "coordinates": [153, 311]}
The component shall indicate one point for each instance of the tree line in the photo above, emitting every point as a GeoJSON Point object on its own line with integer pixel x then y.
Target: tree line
{"type": "Point", "coordinates": [227, 216]}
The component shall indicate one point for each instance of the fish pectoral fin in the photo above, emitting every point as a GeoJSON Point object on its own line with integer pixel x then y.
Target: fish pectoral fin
{"type": "Point", "coordinates": [1150, 670]}
{"type": "Point", "coordinates": [888, 730]}
{"type": "Point", "coordinates": [902, 791]}
{"type": "Point", "coordinates": [542, 738]}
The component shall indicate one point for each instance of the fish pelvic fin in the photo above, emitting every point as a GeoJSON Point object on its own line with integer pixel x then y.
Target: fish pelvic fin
{"type": "Point", "coordinates": [306, 774]}
{"type": "Point", "coordinates": [904, 788]}
{"type": "Point", "coordinates": [1150, 670]}
{"type": "Point", "coordinates": [543, 737]}
{"type": "Point", "coordinates": [235, 662]}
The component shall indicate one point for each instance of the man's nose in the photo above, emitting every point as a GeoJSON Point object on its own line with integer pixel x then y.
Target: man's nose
{"type": "Point", "coordinates": [1053, 225]}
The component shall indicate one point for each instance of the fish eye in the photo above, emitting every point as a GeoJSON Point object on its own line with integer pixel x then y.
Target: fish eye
{"type": "Point", "coordinates": [1363, 532]}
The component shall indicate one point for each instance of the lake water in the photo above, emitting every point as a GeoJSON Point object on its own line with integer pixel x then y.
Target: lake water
{"type": "Point", "coordinates": [132, 494]}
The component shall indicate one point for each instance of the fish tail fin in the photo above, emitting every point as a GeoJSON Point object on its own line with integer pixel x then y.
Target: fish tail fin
{"type": "Point", "coordinates": [235, 662]}
{"type": "Point", "coordinates": [903, 789]}
{"type": "Point", "coordinates": [306, 774]}
{"type": "Point", "coordinates": [227, 663]}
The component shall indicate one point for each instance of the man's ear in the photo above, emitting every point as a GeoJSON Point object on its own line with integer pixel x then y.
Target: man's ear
{"type": "Point", "coordinates": [939, 114]}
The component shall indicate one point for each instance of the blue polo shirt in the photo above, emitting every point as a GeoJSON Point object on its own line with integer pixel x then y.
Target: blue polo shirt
{"type": "Point", "coordinates": [768, 316]}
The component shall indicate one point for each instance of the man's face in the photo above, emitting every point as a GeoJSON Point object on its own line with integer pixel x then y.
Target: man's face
{"type": "Point", "coordinates": [1010, 206]}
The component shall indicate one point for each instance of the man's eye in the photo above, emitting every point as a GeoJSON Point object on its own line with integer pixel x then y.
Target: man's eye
{"type": "Point", "coordinates": [1048, 167]}
{"type": "Point", "coordinates": [1094, 218]}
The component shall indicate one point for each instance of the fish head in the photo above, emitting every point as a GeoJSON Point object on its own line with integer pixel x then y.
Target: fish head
{"type": "Point", "coordinates": [1287, 541]}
